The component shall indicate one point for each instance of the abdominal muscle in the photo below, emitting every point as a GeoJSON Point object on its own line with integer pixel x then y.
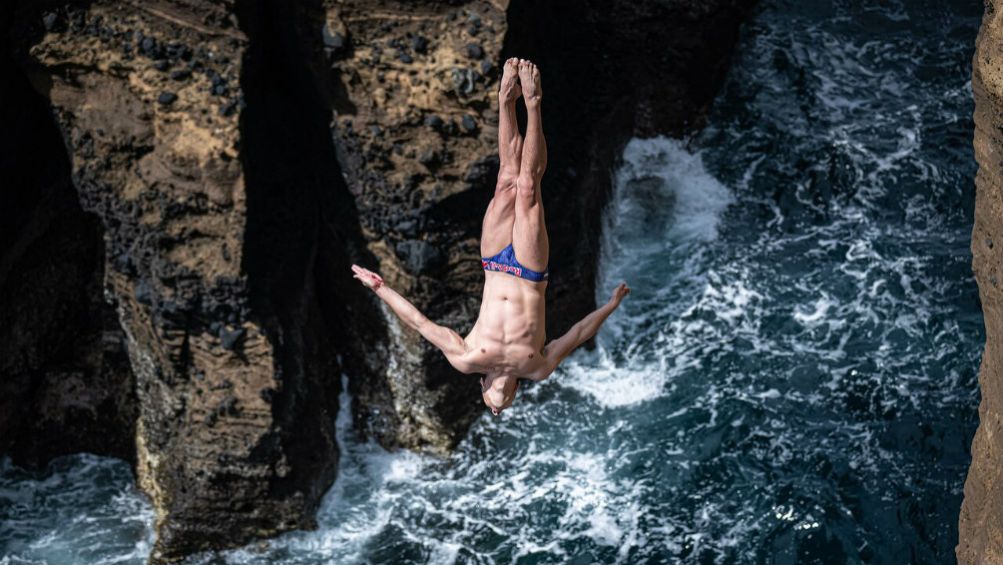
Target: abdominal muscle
{"type": "Point", "coordinates": [510, 330]}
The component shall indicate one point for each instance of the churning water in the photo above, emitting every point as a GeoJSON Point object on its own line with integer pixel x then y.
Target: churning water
{"type": "Point", "coordinates": [793, 379]}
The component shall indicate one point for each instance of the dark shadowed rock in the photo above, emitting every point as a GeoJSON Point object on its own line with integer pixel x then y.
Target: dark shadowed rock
{"type": "Point", "coordinates": [468, 124]}
{"type": "Point", "coordinates": [420, 257]}
{"type": "Point", "coordinates": [474, 51]}
{"type": "Point", "coordinates": [419, 44]}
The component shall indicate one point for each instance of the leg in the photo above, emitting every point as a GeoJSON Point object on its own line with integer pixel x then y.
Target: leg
{"type": "Point", "coordinates": [496, 230]}
{"type": "Point", "coordinates": [529, 237]}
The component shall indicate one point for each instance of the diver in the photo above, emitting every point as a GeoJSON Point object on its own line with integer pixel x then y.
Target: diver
{"type": "Point", "coordinates": [507, 341]}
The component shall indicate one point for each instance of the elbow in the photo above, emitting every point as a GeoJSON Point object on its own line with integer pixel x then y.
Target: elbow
{"type": "Point", "coordinates": [416, 322]}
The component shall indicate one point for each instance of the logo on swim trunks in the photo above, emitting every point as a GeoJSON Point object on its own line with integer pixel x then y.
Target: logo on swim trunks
{"type": "Point", "coordinates": [493, 266]}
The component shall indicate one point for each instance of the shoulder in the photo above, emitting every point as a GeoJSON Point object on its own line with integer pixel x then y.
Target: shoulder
{"type": "Point", "coordinates": [467, 360]}
{"type": "Point", "coordinates": [461, 363]}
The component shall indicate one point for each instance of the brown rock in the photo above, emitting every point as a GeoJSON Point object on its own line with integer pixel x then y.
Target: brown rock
{"type": "Point", "coordinates": [207, 254]}
{"type": "Point", "coordinates": [980, 526]}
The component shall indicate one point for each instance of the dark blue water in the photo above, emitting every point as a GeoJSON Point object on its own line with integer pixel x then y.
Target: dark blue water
{"type": "Point", "coordinates": [792, 381]}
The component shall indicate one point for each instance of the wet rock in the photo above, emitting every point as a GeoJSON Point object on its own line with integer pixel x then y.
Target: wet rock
{"type": "Point", "coordinates": [229, 338]}
{"type": "Point", "coordinates": [228, 109]}
{"type": "Point", "coordinates": [162, 65]}
{"type": "Point", "coordinates": [463, 81]}
{"type": "Point", "coordinates": [407, 228]}
{"type": "Point", "coordinates": [433, 121]}
{"type": "Point", "coordinates": [420, 257]}
{"type": "Point", "coordinates": [474, 51]}
{"type": "Point", "coordinates": [404, 58]}
{"type": "Point", "coordinates": [227, 407]}
{"type": "Point", "coordinates": [50, 20]}
{"type": "Point", "coordinates": [181, 75]}
{"type": "Point", "coordinates": [429, 158]}
{"type": "Point", "coordinates": [419, 44]}
{"type": "Point", "coordinates": [143, 293]}
{"type": "Point", "coordinates": [468, 124]}
{"type": "Point", "coordinates": [166, 98]}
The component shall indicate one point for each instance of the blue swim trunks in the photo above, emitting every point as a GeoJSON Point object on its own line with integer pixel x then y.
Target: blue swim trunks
{"type": "Point", "coordinates": [504, 262]}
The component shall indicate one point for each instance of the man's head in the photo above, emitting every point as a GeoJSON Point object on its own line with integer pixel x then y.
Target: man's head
{"type": "Point", "coordinates": [498, 391]}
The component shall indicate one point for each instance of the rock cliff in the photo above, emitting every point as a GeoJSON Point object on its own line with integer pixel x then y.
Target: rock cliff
{"type": "Point", "coordinates": [190, 179]}
{"type": "Point", "coordinates": [981, 522]}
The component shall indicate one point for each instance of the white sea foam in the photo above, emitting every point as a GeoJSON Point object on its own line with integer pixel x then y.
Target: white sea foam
{"type": "Point", "coordinates": [664, 203]}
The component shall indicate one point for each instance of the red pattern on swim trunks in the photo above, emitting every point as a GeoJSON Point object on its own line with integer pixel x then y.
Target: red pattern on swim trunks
{"type": "Point", "coordinates": [493, 266]}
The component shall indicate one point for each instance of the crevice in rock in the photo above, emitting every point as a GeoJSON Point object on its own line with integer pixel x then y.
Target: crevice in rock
{"type": "Point", "coordinates": [302, 229]}
{"type": "Point", "coordinates": [66, 382]}
{"type": "Point", "coordinates": [285, 165]}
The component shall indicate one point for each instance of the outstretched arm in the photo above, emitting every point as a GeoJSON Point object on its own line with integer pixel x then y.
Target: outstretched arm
{"type": "Point", "coordinates": [450, 342]}
{"type": "Point", "coordinates": [557, 350]}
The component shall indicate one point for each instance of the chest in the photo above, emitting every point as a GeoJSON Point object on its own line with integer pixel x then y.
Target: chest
{"type": "Point", "coordinates": [520, 356]}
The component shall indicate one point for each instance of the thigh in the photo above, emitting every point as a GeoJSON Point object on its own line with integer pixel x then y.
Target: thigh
{"type": "Point", "coordinates": [529, 231]}
{"type": "Point", "coordinates": [496, 229]}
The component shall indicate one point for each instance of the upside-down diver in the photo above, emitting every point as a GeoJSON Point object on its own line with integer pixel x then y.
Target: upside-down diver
{"type": "Point", "coordinates": [507, 341]}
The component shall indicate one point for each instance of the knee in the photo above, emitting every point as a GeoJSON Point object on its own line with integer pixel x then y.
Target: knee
{"type": "Point", "coordinates": [526, 186]}
{"type": "Point", "coordinates": [506, 184]}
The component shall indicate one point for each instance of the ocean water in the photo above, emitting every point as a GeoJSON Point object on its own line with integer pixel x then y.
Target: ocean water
{"type": "Point", "coordinates": [792, 380]}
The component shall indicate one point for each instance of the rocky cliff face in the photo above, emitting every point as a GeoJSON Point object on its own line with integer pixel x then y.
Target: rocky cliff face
{"type": "Point", "coordinates": [208, 251]}
{"type": "Point", "coordinates": [192, 178]}
{"type": "Point", "coordinates": [981, 523]}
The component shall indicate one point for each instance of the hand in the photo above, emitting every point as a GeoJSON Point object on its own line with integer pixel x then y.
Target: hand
{"type": "Point", "coordinates": [619, 293]}
{"type": "Point", "coordinates": [368, 278]}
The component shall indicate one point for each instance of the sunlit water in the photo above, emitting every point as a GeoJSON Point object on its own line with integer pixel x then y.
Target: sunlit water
{"type": "Point", "coordinates": [793, 379]}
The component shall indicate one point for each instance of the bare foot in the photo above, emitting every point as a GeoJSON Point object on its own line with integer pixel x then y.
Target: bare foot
{"type": "Point", "coordinates": [529, 77]}
{"type": "Point", "coordinates": [509, 90]}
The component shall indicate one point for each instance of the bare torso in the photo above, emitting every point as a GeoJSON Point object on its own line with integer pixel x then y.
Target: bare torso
{"type": "Point", "coordinates": [509, 335]}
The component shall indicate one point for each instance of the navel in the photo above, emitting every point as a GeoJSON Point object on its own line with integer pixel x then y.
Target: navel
{"type": "Point", "coordinates": [530, 355]}
{"type": "Point", "coordinates": [483, 350]}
